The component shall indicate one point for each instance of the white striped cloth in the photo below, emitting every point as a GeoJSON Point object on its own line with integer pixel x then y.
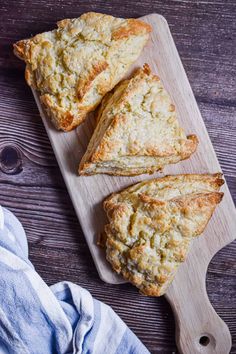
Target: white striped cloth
{"type": "Point", "coordinates": [63, 318]}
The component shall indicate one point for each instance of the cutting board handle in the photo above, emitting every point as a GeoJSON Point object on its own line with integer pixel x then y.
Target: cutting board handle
{"type": "Point", "coordinates": [198, 327]}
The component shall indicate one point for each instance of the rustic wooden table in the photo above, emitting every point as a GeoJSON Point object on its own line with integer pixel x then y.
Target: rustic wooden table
{"type": "Point", "coordinates": [31, 184]}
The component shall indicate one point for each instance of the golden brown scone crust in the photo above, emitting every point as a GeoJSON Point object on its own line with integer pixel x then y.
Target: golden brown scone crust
{"type": "Point", "coordinates": [137, 130]}
{"type": "Point", "coordinates": [151, 225]}
{"type": "Point", "coordinates": [74, 66]}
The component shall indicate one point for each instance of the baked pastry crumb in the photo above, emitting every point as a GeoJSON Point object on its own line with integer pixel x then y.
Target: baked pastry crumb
{"type": "Point", "coordinates": [137, 130]}
{"type": "Point", "coordinates": [75, 65]}
{"type": "Point", "coordinates": [152, 223]}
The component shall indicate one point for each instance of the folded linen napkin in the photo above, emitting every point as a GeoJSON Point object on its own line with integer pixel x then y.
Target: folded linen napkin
{"type": "Point", "coordinates": [63, 318]}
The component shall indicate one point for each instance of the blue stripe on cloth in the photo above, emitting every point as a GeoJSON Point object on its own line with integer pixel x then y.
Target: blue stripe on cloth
{"type": "Point", "coordinates": [130, 344]}
{"type": "Point", "coordinates": [91, 335]}
{"type": "Point", "coordinates": [9, 338]}
{"type": "Point", "coordinates": [66, 301]}
{"type": "Point", "coordinates": [23, 314]}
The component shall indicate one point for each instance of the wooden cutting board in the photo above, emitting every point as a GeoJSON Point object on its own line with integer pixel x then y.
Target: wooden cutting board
{"type": "Point", "coordinates": [198, 328]}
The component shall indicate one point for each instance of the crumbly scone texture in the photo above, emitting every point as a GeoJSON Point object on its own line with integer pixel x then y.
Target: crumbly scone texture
{"type": "Point", "coordinates": [152, 223]}
{"type": "Point", "coordinates": [137, 130]}
{"type": "Point", "coordinates": [75, 65]}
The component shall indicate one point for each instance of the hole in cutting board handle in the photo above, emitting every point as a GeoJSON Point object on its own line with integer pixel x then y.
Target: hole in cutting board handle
{"type": "Point", "coordinates": [204, 340]}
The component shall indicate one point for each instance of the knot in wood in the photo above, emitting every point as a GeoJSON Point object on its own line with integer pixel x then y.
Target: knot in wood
{"type": "Point", "coordinates": [10, 160]}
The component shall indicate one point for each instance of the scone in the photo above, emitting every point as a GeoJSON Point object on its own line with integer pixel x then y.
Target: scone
{"type": "Point", "coordinates": [137, 130]}
{"type": "Point", "coordinates": [152, 223]}
{"type": "Point", "coordinates": [74, 66]}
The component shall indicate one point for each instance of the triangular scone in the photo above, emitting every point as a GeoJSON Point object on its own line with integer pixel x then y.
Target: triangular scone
{"type": "Point", "coordinates": [74, 66]}
{"type": "Point", "coordinates": [152, 224]}
{"type": "Point", "coordinates": [137, 130]}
